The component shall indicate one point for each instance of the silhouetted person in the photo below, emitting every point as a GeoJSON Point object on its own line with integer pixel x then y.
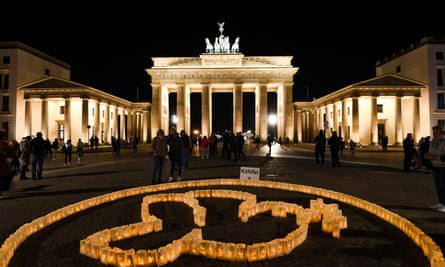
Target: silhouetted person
{"type": "Point", "coordinates": [320, 147]}
{"type": "Point", "coordinates": [334, 143]}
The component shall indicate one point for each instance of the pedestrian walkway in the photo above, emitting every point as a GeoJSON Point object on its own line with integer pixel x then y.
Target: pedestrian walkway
{"type": "Point", "coordinates": [369, 174]}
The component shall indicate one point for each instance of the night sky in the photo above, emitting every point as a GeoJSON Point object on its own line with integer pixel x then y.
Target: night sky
{"type": "Point", "coordinates": [109, 46]}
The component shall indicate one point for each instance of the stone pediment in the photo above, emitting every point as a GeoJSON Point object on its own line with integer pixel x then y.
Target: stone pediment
{"type": "Point", "coordinates": [389, 80]}
{"type": "Point", "coordinates": [52, 82]}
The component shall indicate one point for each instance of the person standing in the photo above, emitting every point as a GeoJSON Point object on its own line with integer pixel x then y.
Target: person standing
{"type": "Point", "coordinates": [436, 156]}
{"type": "Point", "coordinates": [409, 151]}
{"type": "Point", "coordinates": [320, 147]}
{"type": "Point", "coordinates": [7, 155]}
{"type": "Point", "coordinates": [186, 141]}
{"type": "Point", "coordinates": [352, 146]}
{"type": "Point", "coordinates": [205, 148]}
{"type": "Point", "coordinates": [67, 150]}
{"type": "Point", "coordinates": [79, 151]}
{"type": "Point", "coordinates": [55, 147]}
{"type": "Point", "coordinates": [175, 147]}
{"type": "Point", "coordinates": [334, 143]}
{"type": "Point", "coordinates": [38, 148]}
{"type": "Point", "coordinates": [159, 148]}
{"type": "Point", "coordinates": [25, 155]}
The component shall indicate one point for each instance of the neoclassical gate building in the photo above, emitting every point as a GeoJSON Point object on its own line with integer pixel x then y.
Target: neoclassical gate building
{"type": "Point", "coordinates": [222, 68]}
{"type": "Point", "coordinates": [223, 72]}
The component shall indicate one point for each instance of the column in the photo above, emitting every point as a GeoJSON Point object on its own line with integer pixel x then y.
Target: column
{"type": "Point", "coordinates": [416, 119]}
{"type": "Point", "coordinates": [67, 119]}
{"type": "Point", "coordinates": [261, 111]}
{"type": "Point", "coordinates": [288, 116]}
{"type": "Point", "coordinates": [96, 119]}
{"type": "Point", "coordinates": [238, 109]}
{"type": "Point", "coordinates": [398, 120]}
{"type": "Point", "coordinates": [335, 118]}
{"type": "Point", "coordinates": [205, 111]}
{"type": "Point", "coordinates": [107, 124]}
{"type": "Point", "coordinates": [84, 120]}
{"type": "Point", "coordinates": [355, 120]}
{"type": "Point", "coordinates": [299, 126]}
{"type": "Point", "coordinates": [28, 117]}
{"type": "Point", "coordinates": [180, 107]}
{"type": "Point", "coordinates": [146, 135]}
{"type": "Point", "coordinates": [115, 122]}
{"type": "Point", "coordinates": [374, 127]}
{"type": "Point", "coordinates": [156, 104]}
{"type": "Point", "coordinates": [344, 120]}
{"type": "Point", "coordinates": [44, 124]}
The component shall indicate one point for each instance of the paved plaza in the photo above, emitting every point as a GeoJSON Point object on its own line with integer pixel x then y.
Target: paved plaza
{"type": "Point", "coordinates": [369, 174]}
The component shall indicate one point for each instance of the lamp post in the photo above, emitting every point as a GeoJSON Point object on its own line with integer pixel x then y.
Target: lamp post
{"type": "Point", "coordinates": [88, 133]}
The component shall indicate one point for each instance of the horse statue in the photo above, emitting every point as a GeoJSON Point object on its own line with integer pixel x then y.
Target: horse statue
{"type": "Point", "coordinates": [235, 46]}
{"type": "Point", "coordinates": [209, 46]}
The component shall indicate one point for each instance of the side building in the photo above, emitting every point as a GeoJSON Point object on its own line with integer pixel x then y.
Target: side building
{"type": "Point", "coordinates": [406, 96]}
{"type": "Point", "coordinates": [38, 95]}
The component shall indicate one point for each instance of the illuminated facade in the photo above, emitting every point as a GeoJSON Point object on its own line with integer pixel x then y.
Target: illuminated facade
{"type": "Point", "coordinates": [406, 96]}
{"type": "Point", "coordinates": [37, 95]}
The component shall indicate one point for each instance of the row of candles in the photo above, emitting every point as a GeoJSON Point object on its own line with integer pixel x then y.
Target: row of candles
{"type": "Point", "coordinates": [430, 249]}
{"type": "Point", "coordinates": [97, 245]}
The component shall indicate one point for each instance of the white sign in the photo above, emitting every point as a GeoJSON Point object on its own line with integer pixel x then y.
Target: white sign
{"type": "Point", "coordinates": [249, 173]}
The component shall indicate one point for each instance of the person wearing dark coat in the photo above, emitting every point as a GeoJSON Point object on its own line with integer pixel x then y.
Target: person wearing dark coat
{"type": "Point", "coordinates": [334, 143]}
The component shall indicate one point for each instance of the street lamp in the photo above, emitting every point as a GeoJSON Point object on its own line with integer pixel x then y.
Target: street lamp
{"type": "Point", "coordinates": [174, 120]}
{"type": "Point", "coordinates": [273, 122]}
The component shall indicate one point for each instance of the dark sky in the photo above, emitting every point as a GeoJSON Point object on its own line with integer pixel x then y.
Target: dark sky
{"type": "Point", "coordinates": [109, 46]}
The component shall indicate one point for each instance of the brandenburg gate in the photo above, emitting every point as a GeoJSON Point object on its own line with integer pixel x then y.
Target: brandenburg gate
{"type": "Point", "coordinates": [222, 68]}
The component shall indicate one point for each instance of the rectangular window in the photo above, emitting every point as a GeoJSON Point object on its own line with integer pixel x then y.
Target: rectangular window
{"type": "Point", "coordinates": [398, 69]}
{"type": "Point", "coordinates": [439, 55]}
{"type": "Point", "coordinates": [379, 108]}
{"type": "Point", "coordinates": [439, 77]}
{"type": "Point", "coordinates": [111, 115]}
{"type": "Point", "coordinates": [6, 59]}
{"type": "Point", "coordinates": [440, 101]}
{"type": "Point", "coordinates": [6, 82]}
{"type": "Point", "coordinates": [5, 103]}
{"type": "Point", "coordinates": [103, 113]}
{"type": "Point", "coordinates": [47, 72]}
{"type": "Point", "coordinates": [441, 122]}
{"type": "Point", "coordinates": [61, 131]}
{"type": "Point", "coordinates": [62, 110]}
{"type": "Point", "coordinates": [349, 111]}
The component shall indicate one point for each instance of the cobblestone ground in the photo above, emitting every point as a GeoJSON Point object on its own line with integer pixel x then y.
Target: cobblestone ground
{"type": "Point", "coordinates": [367, 241]}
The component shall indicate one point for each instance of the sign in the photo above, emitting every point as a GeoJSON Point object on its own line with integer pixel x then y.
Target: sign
{"type": "Point", "coordinates": [249, 173]}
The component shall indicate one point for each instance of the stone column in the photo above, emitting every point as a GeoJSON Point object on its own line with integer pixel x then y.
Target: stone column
{"type": "Point", "coordinates": [288, 116]}
{"type": "Point", "coordinates": [107, 124]}
{"type": "Point", "coordinates": [28, 117]}
{"type": "Point", "coordinates": [344, 120]}
{"type": "Point", "coordinates": [335, 118]}
{"type": "Point", "coordinates": [261, 111]}
{"type": "Point", "coordinates": [180, 107]}
{"type": "Point", "coordinates": [156, 104]}
{"type": "Point", "coordinates": [146, 134]}
{"type": "Point", "coordinates": [238, 109]}
{"type": "Point", "coordinates": [96, 119]}
{"type": "Point", "coordinates": [299, 126]}
{"type": "Point", "coordinates": [44, 124]}
{"type": "Point", "coordinates": [84, 120]}
{"type": "Point", "coordinates": [416, 119]}
{"type": "Point", "coordinates": [205, 111]}
{"type": "Point", "coordinates": [355, 120]}
{"type": "Point", "coordinates": [67, 118]}
{"type": "Point", "coordinates": [398, 120]}
{"type": "Point", "coordinates": [374, 127]}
